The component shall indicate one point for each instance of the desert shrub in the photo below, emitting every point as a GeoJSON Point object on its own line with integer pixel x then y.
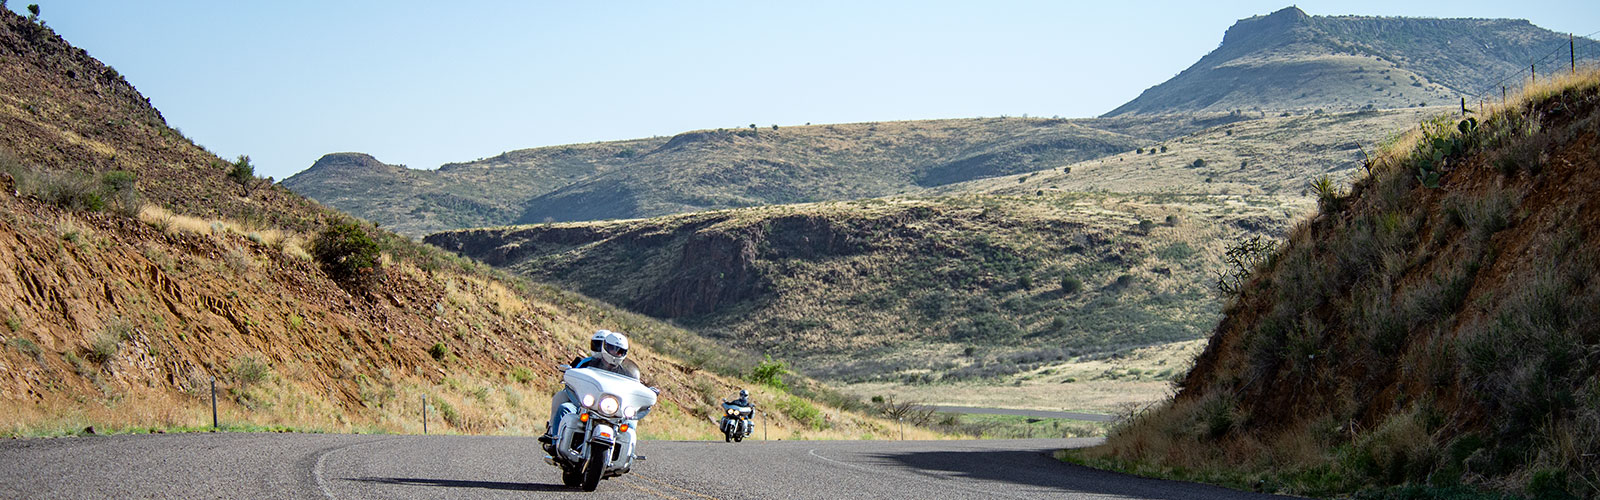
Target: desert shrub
{"type": "Point", "coordinates": [1071, 284]}
{"type": "Point", "coordinates": [802, 411]}
{"type": "Point", "coordinates": [121, 194]}
{"type": "Point", "coordinates": [521, 375]}
{"type": "Point", "coordinates": [1242, 259]}
{"type": "Point", "coordinates": [439, 351]}
{"type": "Point", "coordinates": [768, 372]}
{"type": "Point", "coordinates": [249, 369]}
{"type": "Point", "coordinates": [347, 254]}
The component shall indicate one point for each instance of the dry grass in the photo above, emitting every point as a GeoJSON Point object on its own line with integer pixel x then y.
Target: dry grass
{"type": "Point", "coordinates": [1138, 379]}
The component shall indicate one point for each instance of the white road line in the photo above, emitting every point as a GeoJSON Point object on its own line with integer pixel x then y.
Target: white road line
{"type": "Point", "coordinates": [316, 471]}
{"type": "Point", "coordinates": [943, 482]}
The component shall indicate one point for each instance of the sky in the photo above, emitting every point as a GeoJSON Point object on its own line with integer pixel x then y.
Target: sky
{"type": "Point", "coordinates": [427, 83]}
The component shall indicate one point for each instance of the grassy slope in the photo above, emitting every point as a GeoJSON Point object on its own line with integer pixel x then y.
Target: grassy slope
{"type": "Point", "coordinates": [119, 318]}
{"type": "Point", "coordinates": [899, 289]}
{"type": "Point", "coordinates": [1294, 61]}
{"type": "Point", "coordinates": [1417, 336]}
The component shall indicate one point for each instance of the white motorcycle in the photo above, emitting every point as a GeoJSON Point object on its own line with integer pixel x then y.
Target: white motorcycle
{"type": "Point", "coordinates": [596, 441]}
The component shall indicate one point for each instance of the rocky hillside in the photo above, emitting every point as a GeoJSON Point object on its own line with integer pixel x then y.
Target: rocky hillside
{"type": "Point", "coordinates": [716, 169]}
{"type": "Point", "coordinates": [136, 268]}
{"type": "Point", "coordinates": [1433, 330]}
{"type": "Point", "coordinates": [915, 289]}
{"type": "Point", "coordinates": [1288, 60]}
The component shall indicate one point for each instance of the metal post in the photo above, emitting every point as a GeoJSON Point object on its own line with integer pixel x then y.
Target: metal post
{"type": "Point", "coordinates": [763, 426]}
{"type": "Point", "coordinates": [1463, 106]}
{"type": "Point", "coordinates": [1502, 94]}
{"type": "Point", "coordinates": [1533, 74]}
{"type": "Point", "coordinates": [214, 403]}
{"type": "Point", "coordinates": [1572, 53]}
{"type": "Point", "coordinates": [424, 414]}
{"type": "Point", "coordinates": [902, 428]}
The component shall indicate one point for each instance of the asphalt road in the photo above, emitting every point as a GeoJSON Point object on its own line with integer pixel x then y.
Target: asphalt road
{"type": "Point", "coordinates": [319, 466]}
{"type": "Point", "coordinates": [1090, 417]}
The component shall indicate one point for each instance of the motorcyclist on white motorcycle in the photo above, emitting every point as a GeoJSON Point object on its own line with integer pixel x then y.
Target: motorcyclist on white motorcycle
{"type": "Point", "coordinates": [736, 424]}
{"type": "Point", "coordinates": [608, 351]}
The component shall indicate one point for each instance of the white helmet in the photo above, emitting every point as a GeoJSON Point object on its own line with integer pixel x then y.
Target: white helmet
{"type": "Point", "coordinates": [615, 348]}
{"type": "Point", "coordinates": [596, 341]}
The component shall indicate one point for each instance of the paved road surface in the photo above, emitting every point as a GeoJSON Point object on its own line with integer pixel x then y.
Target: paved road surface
{"type": "Point", "coordinates": [1092, 417]}
{"type": "Point", "coordinates": [313, 466]}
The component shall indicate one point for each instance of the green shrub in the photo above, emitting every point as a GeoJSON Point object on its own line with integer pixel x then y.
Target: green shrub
{"type": "Point", "coordinates": [522, 375]}
{"type": "Point", "coordinates": [1071, 284]}
{"type": "Point", "coordinates": [249, 369]}
{"type": "Point", "coordinates": [802, 411]}
{"type": "Point", "coordinates": [768, 372]}
{"type": "Point", "coordinates": [439, 351]}
{"type": "Point", "coordinates": [348, 254]}
{"type": "Point", "coordinates": [241, 171]}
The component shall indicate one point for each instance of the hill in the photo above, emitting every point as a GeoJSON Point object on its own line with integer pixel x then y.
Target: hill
{"type": "Point", "coordinates": [1288, 60]}
{"type": "Point", "coordinates": [717, 169]}
{"type": "Point", "coordinates": [136, 269]}
{"type": "Point", "coordinates": [1432, 330]}
{"type": "Point", "coordinates": [921, 290]}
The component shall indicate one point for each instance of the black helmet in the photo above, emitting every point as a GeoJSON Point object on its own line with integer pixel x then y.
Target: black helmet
{"type": "Point", "coordinates": [744, 393]}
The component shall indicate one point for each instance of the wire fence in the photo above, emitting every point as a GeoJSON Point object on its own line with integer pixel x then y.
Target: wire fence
{"type": "Point", "coordinates": [1578, 51]}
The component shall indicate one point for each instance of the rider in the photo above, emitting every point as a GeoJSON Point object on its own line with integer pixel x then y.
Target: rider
{"type": "Point", "coordinates": [610, 353]}
{"type": "Point", "coordinates": [744, 399]}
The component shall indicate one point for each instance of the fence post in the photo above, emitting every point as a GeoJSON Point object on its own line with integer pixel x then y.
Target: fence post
{"type": "Point", "coordinates": [214, 425]}
{"type": "Point", "coordinates": [1533, 74]}
{"type": "Point", "coordinates": [1572, 53]}
{"type": "Point", "coordinates": [1463, 106]}
{"type": "Point", "coordinates": [424, 414]}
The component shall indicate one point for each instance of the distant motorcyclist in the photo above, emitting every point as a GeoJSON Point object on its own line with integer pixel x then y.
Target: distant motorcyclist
{"type": "Point", "coordinates": [610, 354]}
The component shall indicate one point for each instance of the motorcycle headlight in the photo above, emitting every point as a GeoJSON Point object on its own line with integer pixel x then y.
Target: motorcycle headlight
{"type": "Point", "coordinates": [630, 411]}
{"type": "Point", "coordinates": [588, 400]}
{"type": "Point", "coordinates": [732, 411]}
{"type": "Point", "coordinates": [609, 404]}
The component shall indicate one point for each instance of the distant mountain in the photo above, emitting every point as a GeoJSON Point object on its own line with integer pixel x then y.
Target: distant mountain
{"type": "Point", "coordinates": [1289, 60]}
{"type": "Point", "coordinates": [716, 169]}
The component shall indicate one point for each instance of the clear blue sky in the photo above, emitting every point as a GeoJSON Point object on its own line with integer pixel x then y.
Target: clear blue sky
{"type": "Point", "coordinates": [426, 83]}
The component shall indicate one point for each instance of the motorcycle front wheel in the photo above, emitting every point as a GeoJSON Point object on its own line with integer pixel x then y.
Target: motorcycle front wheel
{"type": "Point", "coordinates": [595, 467]}
{"type": "Point", "coordinates": [571, 476]}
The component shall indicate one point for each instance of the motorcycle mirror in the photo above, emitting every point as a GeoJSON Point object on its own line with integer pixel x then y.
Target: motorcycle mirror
{"type": "Point", "coordinates": [655, 390]}
{"type": "Point", "coordinates": [563, 367]}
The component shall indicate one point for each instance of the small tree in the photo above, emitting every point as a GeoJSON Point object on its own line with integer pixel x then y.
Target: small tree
{"type": "Point", "coordinates": [33, 12]}
{"type": "Point", "coordinates": [241, 171]}
{"type": "Point", "coordinates": [347, 254]}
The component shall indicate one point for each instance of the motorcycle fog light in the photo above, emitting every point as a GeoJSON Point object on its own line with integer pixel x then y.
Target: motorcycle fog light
{"type": "Point", "coordinates": [588, 400]}
{"type": "Point", "coordinates": [609, 404]}
{"type": "Point", "coordinates": [630, 411]}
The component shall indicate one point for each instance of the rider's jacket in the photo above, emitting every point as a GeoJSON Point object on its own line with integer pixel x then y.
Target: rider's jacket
{"type": "Point", "coordinates": [740, 402]}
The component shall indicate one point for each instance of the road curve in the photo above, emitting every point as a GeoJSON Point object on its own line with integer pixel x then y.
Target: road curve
{"type": "Point", "coordinates": [324, 466]}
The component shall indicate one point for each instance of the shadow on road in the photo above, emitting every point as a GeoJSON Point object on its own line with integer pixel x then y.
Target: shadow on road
{"type": "Point", "coordinates": [452, 483]}
{"type": "Point", "coordinates": [1039, 469]}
